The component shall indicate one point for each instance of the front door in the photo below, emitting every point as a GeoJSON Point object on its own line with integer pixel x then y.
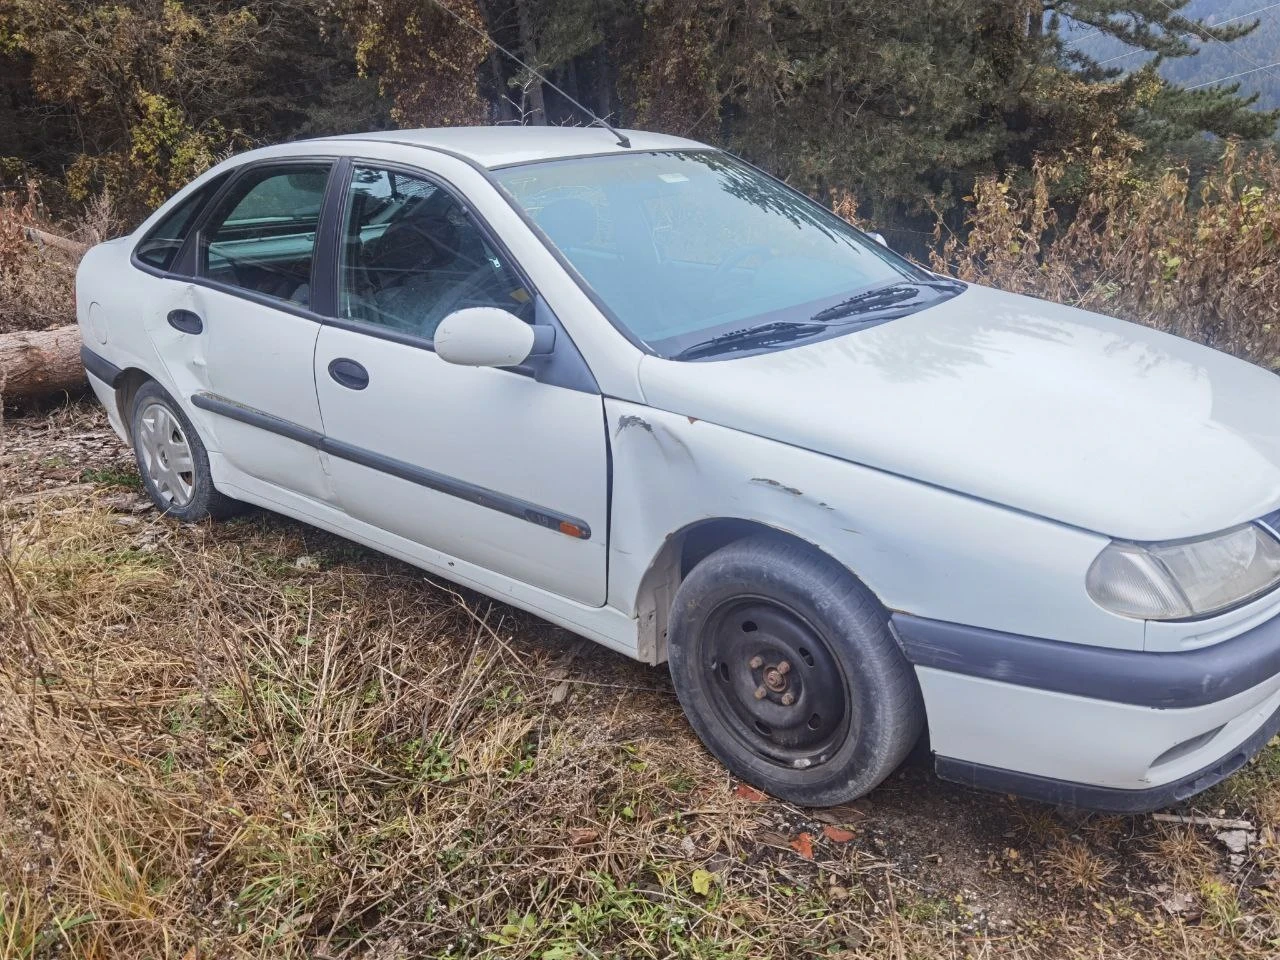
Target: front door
{"type": "Point", "coordinates": [487, 466]}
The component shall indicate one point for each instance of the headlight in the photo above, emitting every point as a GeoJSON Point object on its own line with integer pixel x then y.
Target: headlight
{"type": "Point", "coordinates": [1185, 578]}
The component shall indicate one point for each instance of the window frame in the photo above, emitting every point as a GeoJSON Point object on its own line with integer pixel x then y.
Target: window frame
{"type": "Point", "coordinates": [219, 183]}
{"type": "Point", "coordinates": [440, 183]}
{"type": "Point", "coordinates": [187, 259]}
{"type": "Point", "coordinates": [325, 278]}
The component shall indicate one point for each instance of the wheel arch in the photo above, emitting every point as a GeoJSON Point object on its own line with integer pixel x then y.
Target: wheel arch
{"type": "Point", "coordinates": [680, 552]}
{"type": "Point", "coordinates": [127, 387]}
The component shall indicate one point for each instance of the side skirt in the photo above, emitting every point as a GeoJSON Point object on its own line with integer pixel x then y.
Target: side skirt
{"type": "Point", "coordinates": [607, 626]}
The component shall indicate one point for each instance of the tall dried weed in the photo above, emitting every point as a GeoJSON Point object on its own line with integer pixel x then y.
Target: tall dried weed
{"type": "Point", "coordinates": [1199, 261]}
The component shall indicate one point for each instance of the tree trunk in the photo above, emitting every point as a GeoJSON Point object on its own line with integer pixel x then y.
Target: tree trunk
{"type": "Point", "coordinates": [501, 92]}
{"type": "Point", "coordinates": [604, 83]}
{"type": "Point", "coordinates": [73, 247]}
{"type": "Point", "coordinates": [537, 107]}
{"type": "Point", "coordinates": [35, 363]}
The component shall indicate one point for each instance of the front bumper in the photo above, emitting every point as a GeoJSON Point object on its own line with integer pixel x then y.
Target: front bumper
{"type": "Point", "coordinates": [1085, 796]}
{"type": "Point", "coordinates": [1093, 727]}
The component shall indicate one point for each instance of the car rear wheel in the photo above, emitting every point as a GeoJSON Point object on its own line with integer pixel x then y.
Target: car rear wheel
{"type": "Point", "coordinates": [785, 666]}
{"type": "Point", "coordinates": [172, 459]}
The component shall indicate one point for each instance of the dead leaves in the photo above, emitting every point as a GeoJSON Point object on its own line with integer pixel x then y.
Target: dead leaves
{"type": "Point", "coordinates": [803, 845]}
{"type": "Point", "coordinates": [832, 826]}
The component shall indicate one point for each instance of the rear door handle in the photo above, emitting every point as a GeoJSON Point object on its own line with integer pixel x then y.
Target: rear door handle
{"type": "Point", "coordinates": [186, 321]}
{"type": "Point", "coordinates": [348, 373]}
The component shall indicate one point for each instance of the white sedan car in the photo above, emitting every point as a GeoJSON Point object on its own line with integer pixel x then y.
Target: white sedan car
{"type": "Point", "coordinates": [656, 396]}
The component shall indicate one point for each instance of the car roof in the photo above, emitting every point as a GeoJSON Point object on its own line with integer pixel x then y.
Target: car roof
{"type": "Point", "coordinates": [498, 146]}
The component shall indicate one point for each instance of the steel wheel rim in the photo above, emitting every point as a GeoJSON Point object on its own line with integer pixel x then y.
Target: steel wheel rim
{"type": "Point", "coordinates": [166, 455]}
{"type": "Point", "coordinates": [775, 682]}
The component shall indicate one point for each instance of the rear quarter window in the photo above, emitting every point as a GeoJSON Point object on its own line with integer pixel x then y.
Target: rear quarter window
{"type": "Point", "coordinates": [159, 248]}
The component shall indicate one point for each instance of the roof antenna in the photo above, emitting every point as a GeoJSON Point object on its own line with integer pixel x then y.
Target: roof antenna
{"type": "Point", "coordinates": [623, 141]}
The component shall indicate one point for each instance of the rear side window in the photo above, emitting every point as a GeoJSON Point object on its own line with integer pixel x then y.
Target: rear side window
{"type": "Point", "coordinates": [262, 235]}
{"type": "Point", "coordinates": [160, 247]}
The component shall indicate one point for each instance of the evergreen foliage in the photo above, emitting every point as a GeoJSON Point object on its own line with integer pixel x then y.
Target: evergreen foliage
{"type": "Point", "coordinates": [899, 105]}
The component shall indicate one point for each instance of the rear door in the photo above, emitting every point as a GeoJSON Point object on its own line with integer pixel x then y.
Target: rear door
{"type": "Point", "coordinates": [252, 305]}
{"type": "Point", "coordinates": [170, 289]}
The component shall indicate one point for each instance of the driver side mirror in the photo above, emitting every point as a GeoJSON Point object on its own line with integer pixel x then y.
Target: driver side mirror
{"type": "Point", "coordinates": [879, 238]}
{"type": "Point", "coordinates": [490, 337]}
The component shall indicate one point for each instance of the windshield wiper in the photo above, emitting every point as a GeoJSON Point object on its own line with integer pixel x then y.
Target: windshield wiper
{"type": "Point", "coordinates": [882, 297]}
{"type": "Point", "coordinates": [766, 334]}
{"type": "Point", "coordinates": [882, 300]}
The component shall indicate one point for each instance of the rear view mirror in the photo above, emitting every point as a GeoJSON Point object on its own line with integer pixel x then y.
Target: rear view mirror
{"type": "Point", "coordinates": [484, 337]}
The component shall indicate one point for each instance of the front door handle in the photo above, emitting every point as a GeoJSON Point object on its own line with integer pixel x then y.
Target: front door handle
{"type": "Point", "coordinates": [186, 321]}
{"type": "Point", "coordinates": [348, 373]}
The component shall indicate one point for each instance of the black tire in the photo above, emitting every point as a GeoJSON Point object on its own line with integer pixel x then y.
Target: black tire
{"type": "Point", "coordinates": [204, 500]}
{"type": "Point", "coordinates": [763, 600]}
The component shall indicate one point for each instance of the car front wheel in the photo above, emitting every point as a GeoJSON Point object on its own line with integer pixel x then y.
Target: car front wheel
{"type": "Point", "coordinates": [785, 666]}
{"type": "Point", "coordinates": [172, 459]}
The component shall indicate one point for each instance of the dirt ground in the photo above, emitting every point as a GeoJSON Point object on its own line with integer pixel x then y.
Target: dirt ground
{"type": "Point", "coordinates": [255, 739]}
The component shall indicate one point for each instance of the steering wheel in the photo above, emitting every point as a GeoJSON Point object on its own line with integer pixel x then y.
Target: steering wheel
{"type": "Point", "coordinates": [392, 241]}
{"type": "Point", "coordinates": [720, 279]}
{"type": "Point", "coordinates": [470, 291]}
{"type": "Point", "coordinates": [734, 259]}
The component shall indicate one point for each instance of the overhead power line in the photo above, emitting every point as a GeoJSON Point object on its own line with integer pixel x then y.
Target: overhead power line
{"type": "Point", "coordinates": [623, 140]}
{"type": "Point", "coordinates": [1121, 56]}
{"type": "Point", "coordinates": [1094, 33]}
{"type": "Point", "coordinates": [1083, 36]}
{"type": "Point", "coordinates": [1233, 76]}
{"type": "Point", "coordinates": [1249, 14]}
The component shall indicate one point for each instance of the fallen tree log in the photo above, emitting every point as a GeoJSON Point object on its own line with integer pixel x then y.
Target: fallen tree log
{"type": "Point", "coordinates": [35, 363]}
{"type": "Point", "coordinates": [73, 247]}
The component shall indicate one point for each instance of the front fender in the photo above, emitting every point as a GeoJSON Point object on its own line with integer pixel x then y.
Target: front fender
{"type": "Point", "coordinates": [921, 549]}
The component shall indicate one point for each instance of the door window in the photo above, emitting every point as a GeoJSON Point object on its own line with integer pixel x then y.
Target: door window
{"type": "Point", "coordinates": [262, 236]}
{"type": "Point", "coordinates": [412, 254]}
{"type": "Point", "coordinates": [160, 247]}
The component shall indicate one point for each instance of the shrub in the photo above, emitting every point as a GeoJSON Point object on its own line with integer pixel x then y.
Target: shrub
{"type": "Point", "coordinates": [1198, 260]}
{"type": "Point", "coordinates": [36, 283]}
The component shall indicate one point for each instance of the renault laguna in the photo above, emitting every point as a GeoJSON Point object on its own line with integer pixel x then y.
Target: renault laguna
{"type": "Point", "coordinates": [648, 392]}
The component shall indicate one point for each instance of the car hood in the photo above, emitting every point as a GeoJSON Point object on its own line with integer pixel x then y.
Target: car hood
{"type": "Point", "coordinates": [1081, 418]}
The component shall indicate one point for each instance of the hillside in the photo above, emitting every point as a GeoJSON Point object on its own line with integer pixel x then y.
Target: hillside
{"type": "Point", "coordinates": [1214, 60]}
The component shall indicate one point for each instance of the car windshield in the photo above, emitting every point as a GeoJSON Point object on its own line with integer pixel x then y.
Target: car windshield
{"type": "Point", "coordinates": [698, 255]}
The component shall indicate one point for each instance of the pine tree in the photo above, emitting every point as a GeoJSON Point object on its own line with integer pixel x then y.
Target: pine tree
{"type": "Point", "coordinates": [1164, 113]}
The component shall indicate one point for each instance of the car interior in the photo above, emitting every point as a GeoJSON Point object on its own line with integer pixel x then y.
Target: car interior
{"type": "Point", "coordinates": [415, 256]}
{"type": "Point", "coordinates": [266, 241]}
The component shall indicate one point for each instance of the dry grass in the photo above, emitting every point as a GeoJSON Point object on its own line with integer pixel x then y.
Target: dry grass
{"type": "Point", "coordinates": [210, 744]}
{"type": "Point", "coordinates": [37, 282]}
{"type": "Point", "coordinates": [254, 740]}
